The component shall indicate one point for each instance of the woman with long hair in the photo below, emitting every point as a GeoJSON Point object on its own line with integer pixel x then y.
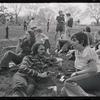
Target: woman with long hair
{"type": "Point", "coordinates": [23, 48]}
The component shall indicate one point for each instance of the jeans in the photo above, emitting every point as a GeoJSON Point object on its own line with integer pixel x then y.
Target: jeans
{"type": "Point", "coordinates": [10, 56]}
{"type": "Point", "coordinates": [23, 83]}
{"type": "Point", "coordinates": [77, 85]}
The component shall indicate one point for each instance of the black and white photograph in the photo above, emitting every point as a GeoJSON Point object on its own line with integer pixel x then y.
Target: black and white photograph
{"type": "Point", "coordinates": [50, 49]}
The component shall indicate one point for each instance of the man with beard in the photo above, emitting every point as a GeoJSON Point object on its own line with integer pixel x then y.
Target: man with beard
{"type": "Point", "coordinates": [31, 69]}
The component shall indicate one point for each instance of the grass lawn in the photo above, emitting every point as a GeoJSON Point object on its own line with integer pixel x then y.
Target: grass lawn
{"type": "Point", "coordinates": [42, 90]}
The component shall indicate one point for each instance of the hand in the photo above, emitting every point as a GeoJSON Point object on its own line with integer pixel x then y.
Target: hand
{"type": "Point", "coordinates": [43, 75]}
{"type": "Point", "coordinates": [73, 74]}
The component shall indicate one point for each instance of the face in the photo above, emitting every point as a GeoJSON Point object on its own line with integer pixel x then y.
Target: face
{"type": "Point", "coordinates": [41, 50]}
{"type": "Point", "coordinates": [76, 44]}
{"type": "Point", "coordinates": [27, 36]}
{"type": "Point", "coordinates": [60, 13]}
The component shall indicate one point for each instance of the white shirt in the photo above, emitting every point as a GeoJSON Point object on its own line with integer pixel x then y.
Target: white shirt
{"type": "Point", "coordinates": [82, 58]}
{"type": "Point", "coordinates": [40, 38]}
{"type": "Point", "coordinates": [32, 24]}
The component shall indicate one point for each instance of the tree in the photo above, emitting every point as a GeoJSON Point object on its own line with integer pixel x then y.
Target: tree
{"type": "Point", "coordinates": [73, 10]}
{"type": "Point", "coordinates": [93, 11]}
{"type": "Point", "coordinates": [44, 14]}
{"type": "Point", "coordinates": [16, 7]}
{"type": "Point", "coordinates": [3, 14]}
{"type": "Point", "coordinates": [33, 8]}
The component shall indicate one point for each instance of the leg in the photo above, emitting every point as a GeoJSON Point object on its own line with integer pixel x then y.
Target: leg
{"type": "Point", "coordinates": [64, 47]}
{"type": "Point", "coordinates": [57, 47]}
{"type": "Point", "coordinates": [7, 32]}
{"type": "Point", "coordinates": [19, 85]}
{"type": "Point", "coordinates": [10, 56]}
{"type": "Point", "coordinates": [47, 45]}
{"type": "Point", "coordinates": [31, 86]}
{"type": "Point", "coordinates": [75, 84]}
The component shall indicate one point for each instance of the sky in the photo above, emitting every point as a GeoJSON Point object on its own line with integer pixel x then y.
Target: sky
{"type": "Point", "coordinates": [82, 6]}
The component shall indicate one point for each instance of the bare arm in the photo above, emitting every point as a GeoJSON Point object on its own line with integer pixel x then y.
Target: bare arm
{"type": "Point", "coordinates": [18, 48]}
{"type": "Point", "coordinates": [44, 36]}
{"type": "Point", "coordinates": [91, 68]}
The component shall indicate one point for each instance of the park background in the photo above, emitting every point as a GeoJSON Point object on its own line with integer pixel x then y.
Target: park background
{"type": "Point", "coordinates": [89, 15]}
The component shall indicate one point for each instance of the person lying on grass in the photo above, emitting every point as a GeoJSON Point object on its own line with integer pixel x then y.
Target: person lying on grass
{"type": "Point", "coordinates": [87, 64]}
{"type": "Point", "coordinates": [31, 69]}
{"type": "Point", "coordinates": [23, 48]}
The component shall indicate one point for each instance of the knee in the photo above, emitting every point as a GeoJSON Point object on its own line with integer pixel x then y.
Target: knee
{"type": "Point", "coordinates": [69, 83]}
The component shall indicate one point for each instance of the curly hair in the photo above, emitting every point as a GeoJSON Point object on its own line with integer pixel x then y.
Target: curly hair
{"type": "Point", "coordinates": [81, 37]}
{"type": "Point", "coordinates": [35, 47]}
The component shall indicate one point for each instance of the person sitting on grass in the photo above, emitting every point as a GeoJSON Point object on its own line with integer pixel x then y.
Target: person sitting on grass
{"type": "Point", "coordinates": [23, 48]}
{"type": "Point", "coordinates": [90, 35]}
{"type": "Point", "coordinates": [42, 38]}
{"type": "Point", "coordinates": [87, 64]}
{"type": "Point", "coordinates": [63, 44]}
{"type": "Point", "coordinates": [31, 69]}
{"type": "Point", "coordinates": [97, 42]}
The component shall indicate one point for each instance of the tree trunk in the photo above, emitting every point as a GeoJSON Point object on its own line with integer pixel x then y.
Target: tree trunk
{"type": "Point", "coordinates": [97, 22]}
{"type": "Point", "coordinates": [16, 19]}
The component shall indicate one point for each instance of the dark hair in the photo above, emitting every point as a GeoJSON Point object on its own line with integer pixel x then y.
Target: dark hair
{"type": "Point", "coordinates": [81, 37]}
{"type": "Point", "coordinates": [32, 18]}
{"type": "Point", "coordinates": [32, 38]}
{"type": "Point", "coordinates": [38, 30]}
{"type": "Point", "coordinates": [35, 47]}
{"type": "Point", "coordinates": [68, 14]}
{"type": "Point", "coordinates": [60, 11]}
{"type": "Point", "coordinates": [88, 29]}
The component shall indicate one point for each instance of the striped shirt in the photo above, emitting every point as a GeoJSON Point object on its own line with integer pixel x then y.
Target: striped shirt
{"type": "Point", "coordinates": [32, 65]}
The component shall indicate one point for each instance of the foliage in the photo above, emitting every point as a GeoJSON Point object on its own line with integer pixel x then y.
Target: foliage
{"type": "Point", "coordinates": [93, 10]}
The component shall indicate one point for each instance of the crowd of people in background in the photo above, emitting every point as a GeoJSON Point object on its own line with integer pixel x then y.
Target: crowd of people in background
{"type": "Point", "coordinates": [33, 56]}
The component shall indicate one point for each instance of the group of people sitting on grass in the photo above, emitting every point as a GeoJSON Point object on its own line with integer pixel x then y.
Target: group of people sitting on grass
{"type": "Point", "coordinates": [33, 57]}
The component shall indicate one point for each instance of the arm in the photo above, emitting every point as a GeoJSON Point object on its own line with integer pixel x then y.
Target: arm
{"type": "Point", "coordinates": [18, 48]}
{"type": "Point", "coordinates": [25, 69]}
{"type": "Point", "coordinates": [44, 36]}
{"type": "Point", "coordinates": [91, 68]}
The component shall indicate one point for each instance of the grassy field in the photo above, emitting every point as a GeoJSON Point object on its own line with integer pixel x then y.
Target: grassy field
{"type": "Point", "coordinates": [42, 90]}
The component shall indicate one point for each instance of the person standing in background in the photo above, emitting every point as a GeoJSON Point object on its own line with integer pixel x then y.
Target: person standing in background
{"type": "Point", "coordinates": [69, 24]}
{"type": "Point", "coordinates": [48, 23]}
{"type": "Point", "coordinates": [32, 23]}
{"type": "Point", "coordinates": [60, 24]}
{"type": "Point", "coordinates": [7, 28]}
{"type": "Point", "coordinates": [25, 25]}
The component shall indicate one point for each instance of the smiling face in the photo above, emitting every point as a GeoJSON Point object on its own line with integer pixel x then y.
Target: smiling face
{"type": "Point", "coordinates": [41, 50]}
{"type": "Point", "coordinates": [76, 44]}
